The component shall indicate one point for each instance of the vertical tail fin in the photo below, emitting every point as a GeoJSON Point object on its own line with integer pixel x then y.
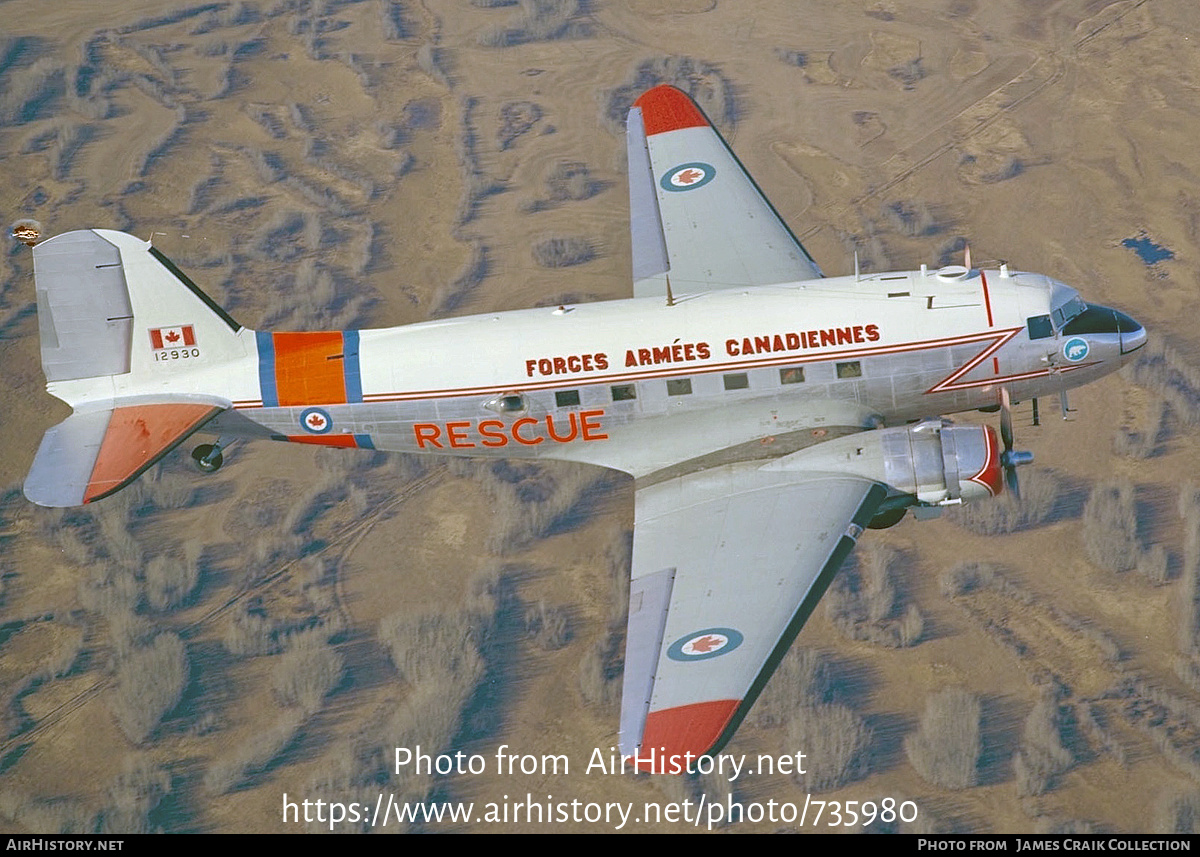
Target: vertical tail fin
{"type": "Point", "coordinates": [97, 290]}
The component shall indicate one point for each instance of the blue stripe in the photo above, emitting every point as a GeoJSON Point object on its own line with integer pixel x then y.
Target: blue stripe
{"type": "Point", "coordinates": [352, 367]}
{"type": "Point", "coordinates": [364, 441]}
{"type": "Point", "coordinates": [266, 369]}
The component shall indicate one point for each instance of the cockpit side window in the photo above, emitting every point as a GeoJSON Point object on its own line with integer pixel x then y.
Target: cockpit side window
{"type": "Point", "coordinates": [1071, 308]}
{"type": "Point", "coordinates": [1039, 327]}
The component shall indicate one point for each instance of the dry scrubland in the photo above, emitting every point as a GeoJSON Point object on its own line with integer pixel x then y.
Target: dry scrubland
{"type": "Point", "coordinates": [181, 654]}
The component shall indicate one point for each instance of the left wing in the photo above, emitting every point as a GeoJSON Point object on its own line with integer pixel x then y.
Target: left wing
{"type": "Point", "coordinates": [695, 213]}
{"type": "Point", "coordinates": [728, 564]}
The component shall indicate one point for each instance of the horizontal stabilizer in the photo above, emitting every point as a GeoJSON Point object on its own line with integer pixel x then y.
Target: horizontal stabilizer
{"type": "Point", "coordinates": [91, 454]}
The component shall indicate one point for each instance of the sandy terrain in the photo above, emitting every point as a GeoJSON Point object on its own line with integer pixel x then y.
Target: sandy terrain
{"type": "Point", "coordinates": [337, 164]}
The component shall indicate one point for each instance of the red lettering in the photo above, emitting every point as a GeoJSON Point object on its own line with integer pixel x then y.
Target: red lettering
{"type": "Point", "coordinates": [560, 366]}
{"type": "Point", "coordinates": [601, 361]}
{"type": "Point", "coordinates": [858, 334]}
{"type": "Point", "coordinates": [555, 437]}
{"type": "Point", "coordinates": [530, 365]}
{"type": "Point", "coordinates": [587, 363]}
{"type": "Point", "coordinates": [793, 341]}
{"type": "Point", "coordinates": [493, 438]}
{"type": "Point", "coordinates": [456, 435]}
{"type": "Point", "coordinates": [662, 354]}
{"type": "Point", "coordinates": [844, 335]}
{"type": "Point", "coordinates": [872, 332]}
{"type": "Point", "coordinates": [574, 363]}
{"type": "Point", "coordinates": [644, 357]}
{"type": "Point", "coordinates": [689, 352]}
{"type": "Point", "coordinates": [545, 366]}
{"type": "Point", "coordinates": [702, 350]}
{"type": "Point", "coordinates": [676, 353]}
{"type": "Point", "coordinates": [747, 346]}
{"type": "Point", "coordinates": [427, 432]}
{"type": "Point", "coordinates": [811, 336]}
{"type": "Point", "coordinates": [516, 432]}
{"type": "Point", "coordinates": [761, 344]}
{"type": "Point", "coordinates": [731, 347]}
{"type": "Point", "coordinates": [777, 343]}
{"type": "Point", "coordinates": [630, 360]}
{"type": "Point", "coordinates": [588, 426]}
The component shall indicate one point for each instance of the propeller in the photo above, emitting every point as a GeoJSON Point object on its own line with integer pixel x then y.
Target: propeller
{"type": "Point", "coordinates": [1010, 459]}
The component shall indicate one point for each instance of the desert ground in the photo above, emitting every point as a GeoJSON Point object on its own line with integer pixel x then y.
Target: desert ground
{"type": "Point", "coordinates": [182, 655]}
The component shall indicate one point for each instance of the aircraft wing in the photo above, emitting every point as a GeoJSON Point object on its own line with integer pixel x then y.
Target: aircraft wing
{"type": "Point", "coordinates": [728, 564]}
{"type": "Point", "coordinates": [695, 214]}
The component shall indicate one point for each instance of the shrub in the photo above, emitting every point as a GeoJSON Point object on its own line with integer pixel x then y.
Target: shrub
{"type": "Point", "coordinates": [150, 682]}
{"type": "Point", "coordinates": [563, 252]}
{"type": "Point", "coordinates": [835, 741]}
{"type": "Point", "coordinates": [1110, 527]}
{"type": "Point", "coordinates": [946, 747]}
{"type": "Point", "coordinates": [307, 672]}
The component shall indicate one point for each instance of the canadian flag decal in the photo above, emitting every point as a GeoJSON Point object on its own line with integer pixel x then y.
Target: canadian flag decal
{"type": "Point", "coordinates": [172, 337]}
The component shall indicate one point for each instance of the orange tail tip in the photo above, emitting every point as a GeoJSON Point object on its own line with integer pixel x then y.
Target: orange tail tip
{"type": "Point", "coordinates": [665, 108]}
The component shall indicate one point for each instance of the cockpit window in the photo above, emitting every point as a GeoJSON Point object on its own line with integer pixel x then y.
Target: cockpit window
{"type": "Point", "coordinates": [1101, 319]}
{"type": "Point", "coordinates": [1039, 327]}
{"type": "Point", "coordinates": [1068, 311]}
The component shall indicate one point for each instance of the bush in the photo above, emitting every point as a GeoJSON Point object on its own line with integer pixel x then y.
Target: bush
{"type": "Point", "coordinates": [802, 680]}
{"type": "Point", "coordinates": [563, 252]}
{"type": "Point", "coordinates": [170, 579]}
{"type": "Point", "coordinates": [945, 749]}
{"type": "Point", "coordinates": [1004, 514]}
{"type": "Point", "coordinates": [150, 682]}
{"type": "Point", "coordinates": [550, 627]}
{"type": "Point", "coordinates": [1110, 527]}
{"type": "Point", "coordinates": [1042, 756]}
{"type": "Point", "coordinates": [835, 742]}
{"type": "Point", "coordinates": [307, 672]}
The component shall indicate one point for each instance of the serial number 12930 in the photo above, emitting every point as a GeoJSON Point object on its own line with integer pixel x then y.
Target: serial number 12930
{"type": "Point", "coordinates": [176, 354]}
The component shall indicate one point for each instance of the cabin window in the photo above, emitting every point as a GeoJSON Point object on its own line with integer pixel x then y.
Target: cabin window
{"type": "Point", "coordinates": [624, 392]}
{"type": "Point", "coordinates": [566, 398]}
{"type": "Point", "coordinates": [791, 375]}
{"type": "Point", "coordinates": [1039, 327]}
{"type": "Point", "coordinates": [853, 369]}
{"type": "Point", "coordinates": [679, 386]}
{"type": "Point", "coordinates": [739, 381]}
{"type": "Point", "coordinates": [508, 403]}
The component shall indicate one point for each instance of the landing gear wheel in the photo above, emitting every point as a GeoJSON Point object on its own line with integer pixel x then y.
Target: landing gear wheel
{"type": "Point", "coordinates": [887, 519]}
{"type": "Point", "coordinates": [207, 457]}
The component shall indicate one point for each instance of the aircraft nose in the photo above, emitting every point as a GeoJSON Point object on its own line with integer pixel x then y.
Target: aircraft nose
{"type": "Point", "coordinates": [1132, 333]}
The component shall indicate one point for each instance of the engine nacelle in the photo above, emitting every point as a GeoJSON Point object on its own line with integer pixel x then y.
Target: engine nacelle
{"type": "Point", "coordinates": [934, 461]}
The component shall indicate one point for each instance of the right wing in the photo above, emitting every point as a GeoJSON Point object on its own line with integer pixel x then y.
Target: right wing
{"type": "Point", "coordinates": [728, 564]}
{"type": "Point", "coordinates": [695, 214]}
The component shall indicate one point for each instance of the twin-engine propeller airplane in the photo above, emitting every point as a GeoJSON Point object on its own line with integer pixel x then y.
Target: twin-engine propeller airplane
{"type": "Point", "coordinates": [767, 414]}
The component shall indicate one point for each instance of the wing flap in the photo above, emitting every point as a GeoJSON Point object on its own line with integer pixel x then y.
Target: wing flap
{"type": "Point", "coordinates": [91, 454]}
{"type": "Point", "coordinates": [753, 552]}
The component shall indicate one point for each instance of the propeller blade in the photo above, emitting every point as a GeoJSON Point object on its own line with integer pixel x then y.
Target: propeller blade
{"type": "Point", "coordinates": [1010, 459]}
{"type": "Point", "coordinates": [1006, 426]}
{"type": "Point", "coordinates": [1011, 483]}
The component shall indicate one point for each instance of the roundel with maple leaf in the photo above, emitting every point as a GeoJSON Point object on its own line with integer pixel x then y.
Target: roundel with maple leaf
{"type": "Point", "coordinates": [702, 645]}
{"type": "Point", "coordinates": [316, 420]}
{"type": "Point", "coordinates": [688, 176]}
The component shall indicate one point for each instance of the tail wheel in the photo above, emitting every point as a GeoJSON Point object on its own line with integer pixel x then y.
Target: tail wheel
{"type": "Point", "coordinates": [207, 457]}
{"type": "Point", "coordinates": [887, 519]}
